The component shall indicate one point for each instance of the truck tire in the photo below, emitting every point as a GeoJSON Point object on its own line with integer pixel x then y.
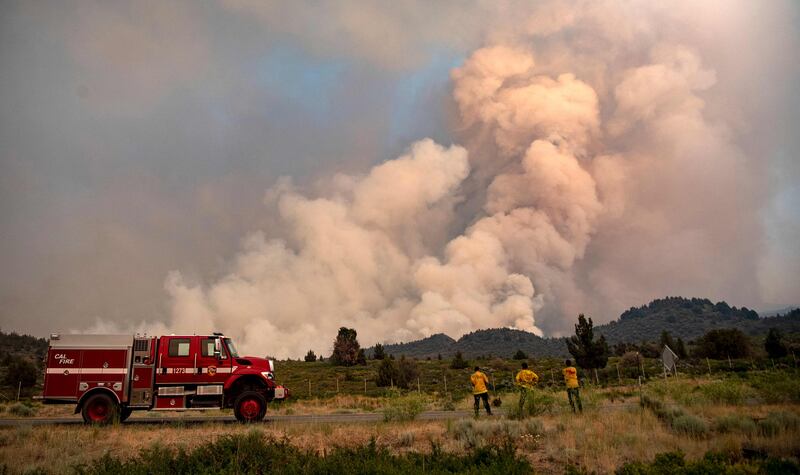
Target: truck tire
{"type": "Point", "coordinates": [250, 406]}
{"type": "Point", "coordinates": [100, 409]}
{"type": "Point", "coordinates": [125, 413]}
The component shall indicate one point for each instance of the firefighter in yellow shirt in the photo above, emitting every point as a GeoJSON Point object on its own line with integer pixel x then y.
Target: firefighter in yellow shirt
{"type": "Point", "coordinates": [571, 380]}
{"type": "Point", "coordinates": [525, 380]}
{"type": "Point", "coordinates": [480, 391]}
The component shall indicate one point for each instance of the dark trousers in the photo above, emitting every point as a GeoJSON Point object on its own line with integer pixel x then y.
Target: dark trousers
{"type": "Point", "coordinates": [523, 396]}
{"type": "Point", "coordinates": [485, 398]}
{"type": "Point", "coordinates": [574, 398]}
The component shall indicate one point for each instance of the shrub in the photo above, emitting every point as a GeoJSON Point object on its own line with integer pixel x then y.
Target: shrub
{"type": "Point", "coordinates": [458, 361]}
{"type": "Point", "coordinates": [252, 453]}
{"type": "Point", "coordinates": [480, 433]}
{"type": "Point", "coordinates": [403, 408]}
{"type": "Point", "coordinates": [21, 410]}
{"type": "Point", "coordinates": [735, 423]}
{"type": "Point", "coordinates": [689, 425]}
{"type": "Point", "coordinates": [20, 370]}
{"type": "Point", "coordinates": [778, 422]}
{"type": "Point", "coordinates": [723, 343]}
{"type": "Point", "coordinates": [536, 404]}
{"type": "Point", "coordinates": [674, 463]}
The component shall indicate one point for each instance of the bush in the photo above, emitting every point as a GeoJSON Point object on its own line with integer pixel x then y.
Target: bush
{"type": "Point", "coordinates": [778, 422]}
{"type": "Point", "coordinates": [674, 463]}
{"type": "Point", "coordinates": [735, 423]}
{"type": "Point", "coordinates": [20, 370]}
{"type": "Point", "coordinates": [536, 404]}
{"type": "Point", "coordinates": [459, 362]}
{"type": "Point", "coordinates": [403, 408]}
{"type": "Point", "coordinates": [21, 410]}
{"type": "Point", "coordinates": [689, 425]}
{"type": "Point", "coordinates": [480, 433]}
{"type": "Point", "coordinates": [723, 343]}
{"type": "Point", "coordinates": [252, 453]}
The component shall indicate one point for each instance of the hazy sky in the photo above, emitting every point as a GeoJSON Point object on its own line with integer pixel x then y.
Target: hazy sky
{"type": "Point", "coordinates": [153, 155]}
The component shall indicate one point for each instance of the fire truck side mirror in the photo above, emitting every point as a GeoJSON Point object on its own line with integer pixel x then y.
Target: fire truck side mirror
{"type": "Point", "coordinates": [217, 349]}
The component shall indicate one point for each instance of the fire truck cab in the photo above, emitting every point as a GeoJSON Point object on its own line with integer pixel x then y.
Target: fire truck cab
{"type": "Point", "coordinates": [108, 377]}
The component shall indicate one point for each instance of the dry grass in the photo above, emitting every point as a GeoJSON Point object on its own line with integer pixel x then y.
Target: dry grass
{"type": "Point", "coordinates": [56, 448]}
{"type": "Point", "coordinates": [599, 440]}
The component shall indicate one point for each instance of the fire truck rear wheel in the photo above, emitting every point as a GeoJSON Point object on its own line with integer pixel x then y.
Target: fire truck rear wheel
{"type": "Point", "coordinates": [100, 408]}
{"type": "Point", "coordinates": [250, 406]}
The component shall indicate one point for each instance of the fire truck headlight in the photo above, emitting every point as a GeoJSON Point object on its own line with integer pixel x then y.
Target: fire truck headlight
{"type": "Point", "coordinates": [268, 375]}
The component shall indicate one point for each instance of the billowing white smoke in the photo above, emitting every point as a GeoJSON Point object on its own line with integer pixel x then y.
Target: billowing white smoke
{"type": "Point", "coordinates": [592, 164]}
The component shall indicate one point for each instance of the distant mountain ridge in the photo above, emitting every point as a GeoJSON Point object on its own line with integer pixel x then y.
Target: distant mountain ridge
{"type": "Point", "coordinates": [681, 317]}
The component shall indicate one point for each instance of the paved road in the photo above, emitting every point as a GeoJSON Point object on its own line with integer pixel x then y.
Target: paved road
{"type": "Point", "coordinates": [292, 419]}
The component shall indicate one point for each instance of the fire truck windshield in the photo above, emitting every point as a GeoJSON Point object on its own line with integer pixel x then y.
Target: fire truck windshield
{"type": "Point", "coordinates": [231, 348]}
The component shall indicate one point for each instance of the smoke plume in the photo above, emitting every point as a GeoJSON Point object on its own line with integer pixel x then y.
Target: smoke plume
{"type": "Point", "coordinates": [602, 158]}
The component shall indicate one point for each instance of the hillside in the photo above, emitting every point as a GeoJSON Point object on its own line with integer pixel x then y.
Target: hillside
{"type": "Point", "coordinates": [494, 341]}
{"type": "Point", "coordinates": [681, 317]}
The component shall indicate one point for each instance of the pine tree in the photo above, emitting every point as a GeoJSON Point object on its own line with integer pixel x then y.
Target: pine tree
{"type": "Point", "coordinates": [588, 352]}
{"type": "Point", "coordinates": [407, 372]}
{"type": "Point", "coordinates": [379, 353]}
{"type": "Point", "coordinates": [520, 355]}
{"type": "Point", "coordinates": [311, 356]}
{"type": "Point", "coordinates": [666, 340]}
{"type": "Point", "coordinates": [387, 373]}
{"type": "Point", "coordinates": [345, 348]}
{"type": "Point", "coordinates": [680, 349]}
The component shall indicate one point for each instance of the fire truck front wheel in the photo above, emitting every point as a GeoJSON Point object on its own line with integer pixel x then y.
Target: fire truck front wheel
{"type": "Point", "coordinates": [250, 406]}
{"type": "Point", "coordinates": [100, 408]}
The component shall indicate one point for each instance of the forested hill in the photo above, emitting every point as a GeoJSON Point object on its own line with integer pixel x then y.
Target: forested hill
{"type": "Point", "coordinates": [681, 317]}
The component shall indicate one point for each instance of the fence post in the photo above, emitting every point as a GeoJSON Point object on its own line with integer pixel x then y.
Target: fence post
{"type": "Point", "coordinates": [730, 365]}
{"type": "Point", "coordinates": [709, 366]}
{"type": "Point", "coordinates": [19, 389]}
{"type": "Point", "coordinates": [419, 388]}
{"type": "Point", "coordinates": [337, 384]}
{"type": "Point", "coordinates": [552, 379]}
{"type": "Point", "coordinates": [365, 385]}
{"type": "Point", "coordinates": [309, 388]}
{"type": "Point", "coordinates": [619, 378]}
{"type": "Point", "coordinates": [445, 383]}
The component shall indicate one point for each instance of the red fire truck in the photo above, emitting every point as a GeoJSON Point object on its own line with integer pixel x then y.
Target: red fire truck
{"type": "Point", "coordinates": [108, 377]}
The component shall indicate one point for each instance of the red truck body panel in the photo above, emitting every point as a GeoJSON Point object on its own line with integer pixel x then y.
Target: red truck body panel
{"type": "Point", "coordinates": [159, 373]}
